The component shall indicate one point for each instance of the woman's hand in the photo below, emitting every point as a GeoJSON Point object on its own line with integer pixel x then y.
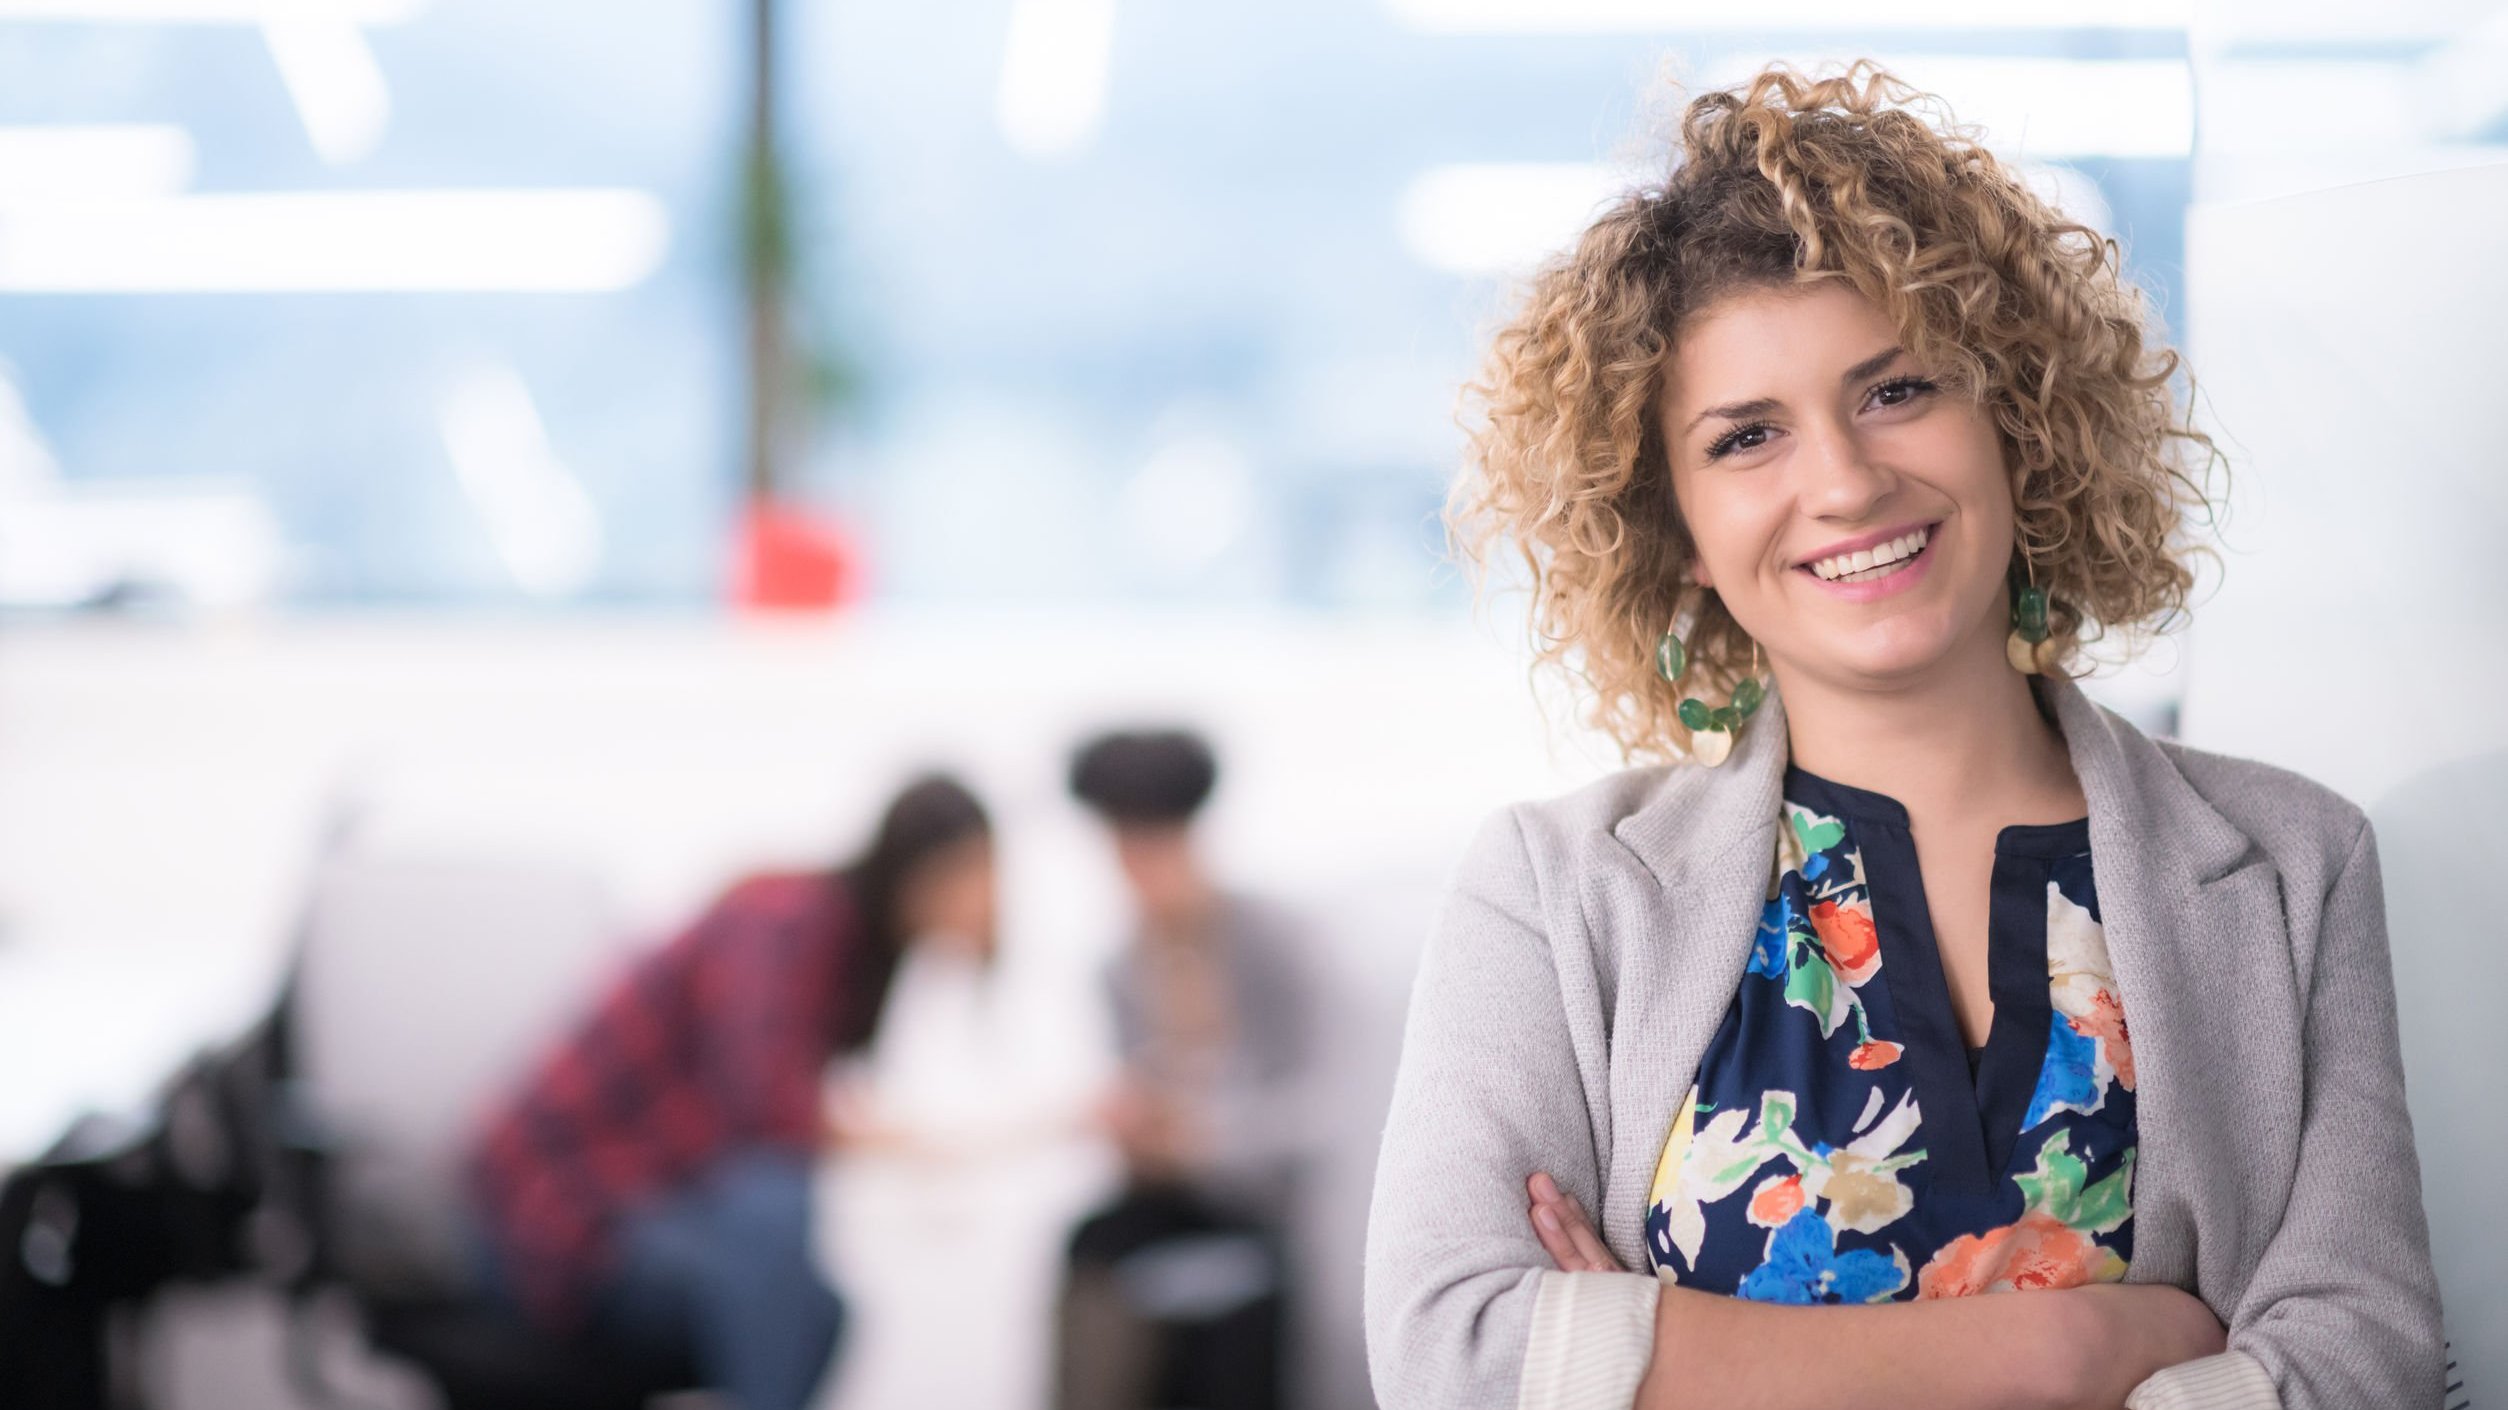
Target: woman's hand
{"type": "Point", "coordinates": [1565, 1230]}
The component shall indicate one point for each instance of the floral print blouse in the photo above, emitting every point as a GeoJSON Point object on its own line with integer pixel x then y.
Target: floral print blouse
{"type": "Point", "coordinates": [1841, 1145]}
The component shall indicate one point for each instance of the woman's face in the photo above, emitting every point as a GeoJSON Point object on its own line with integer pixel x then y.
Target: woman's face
{"type": "Point", "coordinates": [949, 899]}
{"type": "Point", "coordinates": [1805, 442]}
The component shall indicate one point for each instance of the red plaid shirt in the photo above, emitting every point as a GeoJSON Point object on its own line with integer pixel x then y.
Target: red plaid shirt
{"type": "Point", "coordinates": [714, 1042]}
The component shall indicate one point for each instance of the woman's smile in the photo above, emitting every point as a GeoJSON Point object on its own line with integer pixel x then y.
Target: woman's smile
{"type": "Point", "coordinates": [1874, 566]}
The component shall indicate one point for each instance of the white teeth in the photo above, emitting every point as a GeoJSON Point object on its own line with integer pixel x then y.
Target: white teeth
{"type": "Point", "coordinates": [1864, 564]}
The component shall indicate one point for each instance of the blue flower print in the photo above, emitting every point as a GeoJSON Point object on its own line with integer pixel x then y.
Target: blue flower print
{"type": "Point", "coordinates": [2068, 1080]}
{"type": "Point", "coordinates": [1776, 925]}
{"type": "Point", "coordinates": [1805, 1269]}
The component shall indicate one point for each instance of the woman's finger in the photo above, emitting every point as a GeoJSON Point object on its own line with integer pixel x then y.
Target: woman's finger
{"type": "Point", "coordinates": [1565, 1233]}
{"type": "Point", "coordinates": [1552, 1224]}
{"type": "Point", "coordinates": [1555, 1239]}
{"type": "Point", "coordinates": [1590, 1248]}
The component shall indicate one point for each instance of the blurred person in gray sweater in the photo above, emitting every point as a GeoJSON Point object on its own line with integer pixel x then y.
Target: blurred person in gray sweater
{"type": "Point", "coordinates": [1177, 1290]}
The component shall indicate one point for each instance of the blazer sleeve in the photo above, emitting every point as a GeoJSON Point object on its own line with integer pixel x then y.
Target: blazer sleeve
{"type": "Point", "coordinates": [2342, 1311]}
{"type": "Point", "coordinates": [1464, 1309]}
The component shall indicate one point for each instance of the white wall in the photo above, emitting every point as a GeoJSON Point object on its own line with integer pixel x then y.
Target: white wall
{"type": "Point", "coordinates": [2351, 344]}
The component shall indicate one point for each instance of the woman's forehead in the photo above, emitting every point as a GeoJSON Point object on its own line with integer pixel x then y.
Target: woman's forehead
{"type": "Point", "coordinates": [1774, 334]}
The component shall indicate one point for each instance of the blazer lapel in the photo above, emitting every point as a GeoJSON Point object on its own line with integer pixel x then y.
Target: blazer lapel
{"type": "Point", "coordinates": [1691, 880]}
{"type": "Point", "coordinates": [2184, 896]}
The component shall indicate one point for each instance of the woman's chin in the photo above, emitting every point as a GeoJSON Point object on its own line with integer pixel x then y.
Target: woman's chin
{"type": "Point", "coordinates": [1887, 659]}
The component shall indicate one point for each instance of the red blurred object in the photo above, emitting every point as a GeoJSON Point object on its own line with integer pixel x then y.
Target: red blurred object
{"type": "Point", "coordinates": [791, 560]}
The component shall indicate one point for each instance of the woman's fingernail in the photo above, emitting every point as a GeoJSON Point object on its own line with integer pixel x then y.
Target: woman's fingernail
{"type": "Point", "coordinates": [1543, 1186]}
{"type": "Point", "coordinates": [1547, 1220]}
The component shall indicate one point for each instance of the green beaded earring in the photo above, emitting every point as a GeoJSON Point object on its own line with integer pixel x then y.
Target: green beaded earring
{"type": "Point", "coordinates": [2028, 647]}
{"type": "Point", "coordinates": [1711, 727]}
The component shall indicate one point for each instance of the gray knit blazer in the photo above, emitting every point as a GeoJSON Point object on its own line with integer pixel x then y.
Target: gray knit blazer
{"type": "Point", "coordinates": [1593, 943]}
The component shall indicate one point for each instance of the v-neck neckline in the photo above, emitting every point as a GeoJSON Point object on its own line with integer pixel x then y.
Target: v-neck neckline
{"type": "Point", "coordinates": [1973, 1122]}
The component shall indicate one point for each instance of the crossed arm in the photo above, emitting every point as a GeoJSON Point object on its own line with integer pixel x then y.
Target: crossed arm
{"type": "Point", "coordinates": [2084, 1347]}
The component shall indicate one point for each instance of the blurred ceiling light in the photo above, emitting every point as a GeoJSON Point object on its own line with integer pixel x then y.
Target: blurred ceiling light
{"type": "Point", "coordinates": [2035, 109]}
{"type": "Point", "coordinates": [1497, 217]}
{"type": "Point", "coordinates": [2275, 30]}
{"type": "Point", "coordinates": [332, 77]}
{"type": "Point", "coordinates": [1054, 67]}
{"type": "Point", "coordinates": [1704, 16]}
{"type": "Point", "coordinates": [1505, 218]}
{"type": "Point", "coordinates": [362, 12]}
{"type": "Point", "coordinates": [538, 516]}
{"type": "Point", "coordinates": [585, 241]}
{"type": "Point", "coordinates": [86, 162]}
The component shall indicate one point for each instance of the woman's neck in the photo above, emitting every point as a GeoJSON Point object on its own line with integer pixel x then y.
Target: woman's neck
{"type": "Point", "coordinates": [1966, 736]}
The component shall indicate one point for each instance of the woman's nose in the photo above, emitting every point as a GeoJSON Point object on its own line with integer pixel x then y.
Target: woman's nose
{"type": "Point", "coordinates": [1839, 478]}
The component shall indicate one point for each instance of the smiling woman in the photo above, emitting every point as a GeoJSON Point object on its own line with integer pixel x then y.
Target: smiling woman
{"type": "Point", "coordinates": [1832, 1019]}
{"type": "Point", "coordinates": [1790, 189]}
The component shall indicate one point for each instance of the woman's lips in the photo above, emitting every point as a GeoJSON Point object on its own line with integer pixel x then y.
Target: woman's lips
{"type": "Point", "coordinates": [1907, 574]}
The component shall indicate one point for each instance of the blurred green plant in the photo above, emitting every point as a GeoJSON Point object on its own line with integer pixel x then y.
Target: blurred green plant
{"type": "Point", "coordinates": [799, 372]}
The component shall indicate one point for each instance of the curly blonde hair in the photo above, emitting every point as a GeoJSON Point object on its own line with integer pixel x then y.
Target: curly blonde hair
{"type": "Point", "coordinates": [1789, 179]}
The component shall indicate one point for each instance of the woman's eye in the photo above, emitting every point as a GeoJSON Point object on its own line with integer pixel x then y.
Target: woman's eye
{"type": "Point", "coordinates": [1900, 391]}
{"type": "Point", "coordinates": [1738, 439]}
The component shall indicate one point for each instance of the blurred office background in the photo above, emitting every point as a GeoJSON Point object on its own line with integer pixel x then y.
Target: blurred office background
{"type": "Point", "coordinates": [585, 449]}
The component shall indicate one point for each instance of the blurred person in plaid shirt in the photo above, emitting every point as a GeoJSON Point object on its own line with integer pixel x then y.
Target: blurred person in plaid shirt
{"type": "Point", "coordinates": [648, 1186]}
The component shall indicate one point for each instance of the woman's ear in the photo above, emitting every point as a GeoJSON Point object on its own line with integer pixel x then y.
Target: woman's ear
{"type": "Point", "coordinates": [1698, 572]}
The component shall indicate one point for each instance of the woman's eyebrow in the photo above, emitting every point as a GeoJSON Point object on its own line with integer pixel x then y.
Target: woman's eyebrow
{"type": "Point", "coordinates": [1735, 411]}
{"type": "Point", "coordinates": [1761, 406]}
{"type": "Point", "coordinates": [1872, 364]}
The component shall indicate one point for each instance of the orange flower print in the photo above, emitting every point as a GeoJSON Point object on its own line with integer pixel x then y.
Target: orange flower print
{"type": "Point", "coordinates": [2106, 1022]}
{"type": "Point", "coordinates": [1846, 934]}
{"type": "Point", "coordinates": [1872, 1055]}
{"type": "Point", "coordinates": [1776, 1200]}
{"type": "Point", "coordinates": [2039, 1252]}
